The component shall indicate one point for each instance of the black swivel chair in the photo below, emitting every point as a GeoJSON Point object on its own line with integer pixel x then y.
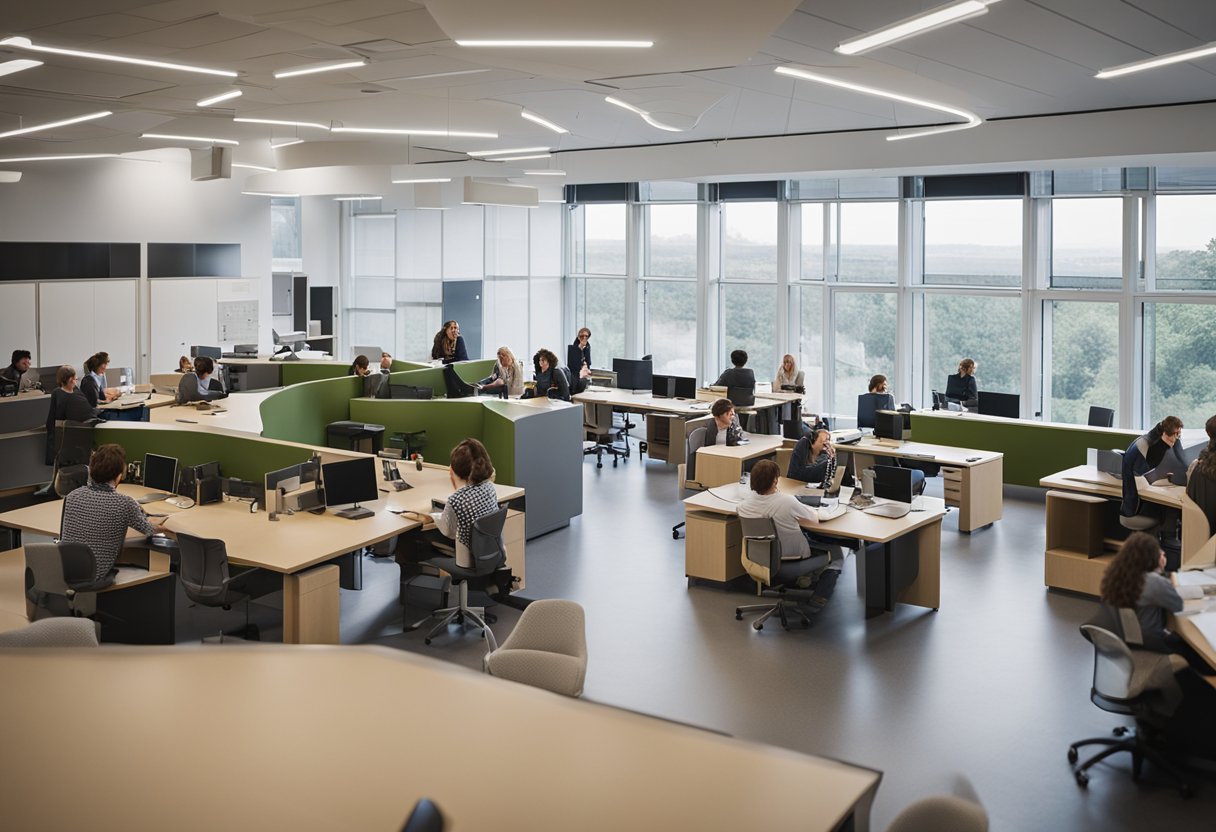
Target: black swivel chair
{"type": "Point", "coordinates": [1101, 417]}
{"type": "Point", "coordinates": [956, 391]}
{"type": "Point", "coordinates": [489, 553]}
{"type": "Point", "coordinates": [208, 580]}
{"type": "Point", "coordinates": [61, 579]}
{"type": "Point", "coordinates": [869, 404]}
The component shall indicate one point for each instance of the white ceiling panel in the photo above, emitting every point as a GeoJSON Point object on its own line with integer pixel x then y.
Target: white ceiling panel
{"type": "Point", "coordinates": [96, 27]}
{"type": "Point", "coordinates": [194, 33]}
{"type": "Point", "coordinates": [86, 85]}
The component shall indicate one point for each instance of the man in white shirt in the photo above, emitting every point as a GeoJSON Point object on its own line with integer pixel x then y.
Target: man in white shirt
{"type": "Point", "coordinates": [790, 517]}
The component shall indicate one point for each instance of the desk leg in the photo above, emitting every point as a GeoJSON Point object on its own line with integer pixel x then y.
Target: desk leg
{"type": "Point", "coordinates": [310, 606]}
{"type": "Point", "coordinates": [925, 590]}
{"type": "Point", "coordinates": [906, 570]}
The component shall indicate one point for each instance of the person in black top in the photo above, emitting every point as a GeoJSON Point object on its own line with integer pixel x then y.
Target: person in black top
{"type": "Point", "coordinates": [583, 344]}
{"type": "Point", "coordinates": [449, 345]}
{"type": "Point", "coordinates": [18, 372]}
{"type": "Point", "coordinates": [93, 385]}
{"type": "Point", "coordinates": [360, 366]}
{"type": "Point", "coordinates": [1201, 479]}
{"type": "Point", "coordinates": [551, 378]}
{"type": "Point", "coordinates": [813, 460]}
{"type": "Point", "coordinates": [199, 386]}
{"type": "Point", "coordinates": [67, 405]}
{"type": "Point", "coordinates": [961, 386]}
{"type": "Point", "coordinates": [738, 375]}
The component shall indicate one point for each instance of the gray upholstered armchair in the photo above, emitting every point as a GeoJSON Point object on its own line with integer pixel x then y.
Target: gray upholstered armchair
{"type": "Point", "coordinates": [547, 649]}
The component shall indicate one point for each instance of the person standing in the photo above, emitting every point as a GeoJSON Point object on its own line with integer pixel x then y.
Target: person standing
{"type": "Point", "coordinates": [583, 344]}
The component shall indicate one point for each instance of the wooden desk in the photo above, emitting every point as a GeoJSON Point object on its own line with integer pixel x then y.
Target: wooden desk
{"type": "Point", "coordinates": [304, 750]}
{"type": "Point", "coordinates": [905, 568]}
{"type": "Point", "coordinates": [666, 419]}
{"type": "Point", "coordinates": [238, 412]}
{"type": "Point", "coordinates": [720, 464]}
{"type": "Point", "coordinates": [973, 479]}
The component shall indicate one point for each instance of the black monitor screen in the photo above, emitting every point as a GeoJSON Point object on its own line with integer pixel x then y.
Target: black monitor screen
{"type": "Point", "coordinates": [889, 424]}
{"type": "Point", "coordinates": [160, 472]}
{"type": "Point", "coordinates": [664, 386]}
{"type": "Point", "coordinates": [686, 387]}
{"type": "Point", "coordinates": [632, 374]}
{"type": "Point", "coordinates": [893, 483]}
{"type": "Point", "coordinates": [207, 470]}
{"type": "Point", "coordinates": [351, 481]}
{"type": "Point", "coordinates": [1000, 404]}
{"type": "Point", "coordinates": [214, 353]}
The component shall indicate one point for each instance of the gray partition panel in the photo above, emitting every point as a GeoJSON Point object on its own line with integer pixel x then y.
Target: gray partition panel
{"type": "Point", "coordinates": [20, 413]}
{"type": "Point", "coordinates": [24, 456]}
{"type": "Point", "coordinates": [549, 466]}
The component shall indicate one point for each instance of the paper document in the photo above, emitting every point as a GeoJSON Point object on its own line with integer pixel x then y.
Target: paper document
{"type": "Point", "coordinates": [1196, 578]}
{"type": "Point", "coordinates": [1205, 622]}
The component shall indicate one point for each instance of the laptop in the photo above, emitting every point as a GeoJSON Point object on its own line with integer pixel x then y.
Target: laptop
{"type": "Point", "coordinates": [837, 478]}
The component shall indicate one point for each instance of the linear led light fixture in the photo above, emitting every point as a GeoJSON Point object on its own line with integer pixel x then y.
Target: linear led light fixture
{"type": "Point", "coordinates": [26, 43]}
{"type": "Point", "coordinates": [51, 125]}
{"type": "Point", "coordinates": [216, 99]}
{"type": "Point", "coordinates": [543, 122]}
{"type": "Point", "coordinates": [9, 67]}
{"type": "Point", "coordinates": [646, 117]}
{"type": "Point", "coordinates": [441, 74]}
{"type": "Point", "coordinates": [269, 193]}
{"type": "Point", "coordinates": [480, 153]}
{"type": "Point", "coordinates": [173, 137]}
{"type": "Point", "coordinates": [420, 181]}
{"type": "Point", "coordinates": [410, 131]}
{"type": "Point", "coordinates": [519, 158]}
{"type": "Point", "coordinates": [972, 120]}
{"type": "Point", "coordinates": [280, 123]}
{"type": "Point", "coordinates": [1161, 60]}
{"type": "Point", "coordinates": [277, 143]}
{"type": "Point", "coordinates": [63, 157]}
{"type": "Point", "coordinates": [544, 173]}
{"type": "Point", "coordinates": [255, 167]}
{"type": "Point", "coordinates": [563, 44]}
{"type": "Point", "coordinates": [312, 69]}
{"type": "Point", "coordinates": [356, 198]}
{"type": "Point", "coordinates": [915, 25]}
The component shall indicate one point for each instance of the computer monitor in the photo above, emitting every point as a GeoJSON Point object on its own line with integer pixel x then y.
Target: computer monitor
{"type": "Point", "coordinates": [284, 479]}
{"type": "Point", "coordinates": [686, 387]}
{"type": "Point", "coordinates": [160, 472]}
{"type": "Point", "coordinates": [1110, 462]}
{"type": "Point", "coordinates": [118, 377]}
{"type": "Point", "coordinates": [632, 374]}
{"type": "Point", "coordinates": [207, 470]}
{"type": "Point", "coordinates": [351, 481]}
{"type": "Point", "coordinates": [893, 483]}
{"type": "Point", "coordinates": [409, 391]}
{"type": "Point", "coordinates": [375, 385]}
{"type": "Point", "coordinates": [214, 353]}
{"type": "Point", "coordinates": [663, 386]}
{"type": "Point", "coordinates": [47, 377]}
{"type": "Point", "coordinates": [889, 424]}
{"type": "Point", "coordinates": [1000, 404]}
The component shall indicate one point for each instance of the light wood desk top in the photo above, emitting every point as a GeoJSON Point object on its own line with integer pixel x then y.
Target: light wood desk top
{"type": "Point", "coordinates": [154, 402]}
{"type": "Point", "coordinates": [644, 402]}
{"type": "Point", "coordinates": [1089, 480]}
{"type": "Point", "coordinates": [941, 454]}
{"type": "Point", "coordinates": [760, 444]}
{"type": "Point", "coordinates": [287, 758]}
{"type": "Point", "coordinates": [239, 412]}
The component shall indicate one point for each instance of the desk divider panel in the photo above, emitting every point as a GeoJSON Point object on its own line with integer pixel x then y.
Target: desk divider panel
{"type": "Point", "coordinates": [299, 413]}
{"type": "Point", "coordinates": [547, 440]}
{"type": "Point", "coordinates": [297, 372]}
{"type": "Point", "coordinates": [246, 457]}
{"type": "Point", "coordinates": [1032, 449]}
{"type": "Point", "coordinates": [446, 423]}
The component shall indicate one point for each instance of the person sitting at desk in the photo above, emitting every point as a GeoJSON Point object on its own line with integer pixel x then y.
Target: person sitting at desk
{"type": "Point", "coordinates": [961, 386]}
{"type": "Point", "coordinates": [360, 366]}
{"type": "Point", "coordinates": [473, 497]}
{"type": "Point", "coordinates": [507, 379]}
{"type": "Point", "coordinates": [551, 377]}
{"type": "Point", "coordinates": [724, 429]}
{"type": "Point", "coordinates": [870, 403]}
{"type": "Point", "coordinates": [583, 344]}
{"type": "Point", "coordinates": [19, 373]}
{"type": "Point", "coordinates": [814, 459]}
{"type": "Point", "coordinates": [185, 365]}
{"type": "Point", "coordinates": [93, 385]}
{"type": "Point", "coordinates": [199, 386]}
{"type": "Point", "coordinates": [788, 514]}
{"type": "Point", "coordinates": [386, 362]}
{"type": "Point", "coordinates": [98, 516]}
{"type": "Point", "coordinates": [1201, 477]}
{"type": "Point", "coordinates": [1142, 456]}
{"type": "Point", "coordinates": [788, 375]}
{"type": "Point", "coordinates": [67, 405]}
{"type": "Point", "coordinates": [449, 344]}
{"type": "Point", "coordinates": [738, 375]}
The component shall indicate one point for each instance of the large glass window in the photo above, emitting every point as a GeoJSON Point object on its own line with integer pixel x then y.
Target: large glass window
{"type": "Point", "coordinates": [671, 326]}
{"type": "Point", "coordinates": [1186, 241]}
{"type": "Point", "coordinates": [1087, 243]}
{"type": "Point", "coordinates": [599, 305]}
{"type": "Point", "coordinates": [286, 250]}
{"type": "Point", "coordinates": [984, 328]}
{"type": "Point", "coordinates": [869, 242]}
{"type": "Point", "coordinates": [749, 240]}
{"type": "Point", "coordinates": [1180, 362]}
{"type": "Point", "coordinates": [1084, 368]}
{"type": "Point", "coordinates": [807, 344]}
{"type": "Point", "coordinates": [812, 240]}
{"type": "Point", "coordinates": [974, 242]}
{"type": "Point", "coordinates": [864, 342]}
{"type": "Point", "coordinates": [599, 238]}
{"type": "Point", "coordinates": [749, 319]}
{"type": "Point", "coordinates": [671, 244]}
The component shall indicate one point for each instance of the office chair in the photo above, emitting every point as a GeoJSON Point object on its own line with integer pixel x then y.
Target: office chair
{"type": "Point", "coordinates": [762, 560]}
{"type": "Point", "coordinates": [489, 553]}
{"type": "Point", "coordinates": [686, 474]}
{"type": "Point", "coordinates": [53, 632]}
{"type": "Point", "coordinates": [870, 403]}
{"type": "Point", "coordinates": [601, 436]}
{"type": "Point", "coordinates": [941, 813]}
{"type": "Point", "coordinates": [425, 817]}
{"type": "Point", "coordinates": [61, 579]}
{"type": "Point", "coordinates": [207, 579]}
{"type": "Point", "coordinates": [1136, 683]}
{"type": "Point", "coordinates": [1101, 417]}
{"type": "Point", "coordinates": [547, 649]}
{"type": "Point", "coordinates": [73, 447]}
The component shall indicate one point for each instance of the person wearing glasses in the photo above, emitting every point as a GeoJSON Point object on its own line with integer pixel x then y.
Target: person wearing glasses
{"type": "Point", "coordinates": [1142, 456]}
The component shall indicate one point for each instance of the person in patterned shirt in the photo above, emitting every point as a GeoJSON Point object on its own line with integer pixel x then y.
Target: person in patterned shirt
{"type": "Point", "coordinates": [98, 516]}
{"type": "Point", "coordinates": [474, 497]}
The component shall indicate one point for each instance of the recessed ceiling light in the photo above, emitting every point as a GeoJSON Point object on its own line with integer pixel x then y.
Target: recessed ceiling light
{"type": "Point", "coordinates": [63, 157]}
{"type": "Point", "coordinates": [646, 117]}
{"type": "Point", "coordinates": [1161, 60]}
{"type": "Point", "coordinates": [419, 181]}
{"type": "Point", "coordinates": [915, 25]}
{"type": "Point", "coordinates": [972, 120]}
{"type": "Point", "coordinates": [281, 123]}
{"type": "Point", "coordinates": [26, 43]}
{"type": "Point", "coordinates": [543, 122]}
{"type": "Point", "coordinates": [410, 131]}
{"type": "Point", "coordinates": [269, 193]}
{"type": "Point", "coordinates": [216, 99]}
{"type": "Point", "coordinates": [439, 74]}
{"type": "Point", "coordinates": [51, 125]}
{"type": "Point", "coordinates": [254, 167]}
{"type": "Point", "coordinates": [9, 67]}
{"type": "Point", "coordinates": [277, 143]}
{"type": "Point", "coordinates": [519, 158]}
{"type": "Point", "coordinates": [173, 137]}
{"type": "Point", "coordinates": [356, 198]}
{"type": "Point", "coordinates": [563, 44]}
{"type": "Point", "coordinates": [544, 173]}
{"type": "Point", "coordinates": [312, 69]}
{"type": "Point", "coordinates": [561, 201]}
{"type": "Point", "coordinates": [479, 153]}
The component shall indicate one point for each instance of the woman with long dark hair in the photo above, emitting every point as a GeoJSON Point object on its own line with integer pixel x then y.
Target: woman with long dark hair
{"type": "Point", "coordinates": [449, 344]}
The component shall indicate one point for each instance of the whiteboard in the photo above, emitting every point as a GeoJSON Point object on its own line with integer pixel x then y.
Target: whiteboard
{"type": "Point", "coordinates": [17, 320]}
{"type": "Point", "coordinates": [184, 313]}
{"type": "Point", "coordinates": [77, 318]}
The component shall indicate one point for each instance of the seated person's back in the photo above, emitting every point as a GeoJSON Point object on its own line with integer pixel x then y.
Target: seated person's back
{"type": "Point", "coordinates": [199, 386]}
{"type": "Point", "coordinates": [738, 375]}
{"type": "Point", "coordinates": [875, 400]}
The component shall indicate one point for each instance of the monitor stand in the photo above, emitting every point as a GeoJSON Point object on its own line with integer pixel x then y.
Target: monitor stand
{"type": "Point", "coordinates": [356, 512]}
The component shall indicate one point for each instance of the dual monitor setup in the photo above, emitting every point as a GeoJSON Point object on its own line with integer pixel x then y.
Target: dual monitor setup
{"type": "Point", "coordinates": [1007, 405]}
{"type": "Point", "coordinates": [638, 375]}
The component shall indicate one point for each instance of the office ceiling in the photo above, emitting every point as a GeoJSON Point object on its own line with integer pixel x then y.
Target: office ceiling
{"type": "Point", "coordinates": [710, 71]}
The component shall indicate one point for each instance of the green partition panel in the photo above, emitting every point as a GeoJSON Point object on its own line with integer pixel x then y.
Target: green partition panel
{"type": "Point", "coordinates": [295, 372]}
{"type": "Point", "coordinates": [299, 413]}
{"type": "Point", "coordinates": [246, 457]}
{"type": "Point", "coordinates": [400, 366]}
{"type": "Point", "coordinates": [1032, 449]}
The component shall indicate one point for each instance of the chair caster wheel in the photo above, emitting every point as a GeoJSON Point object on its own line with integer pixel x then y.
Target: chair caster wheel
{"type": "Point", "coordinates": [1120, 731]}
{"type": "Point", "coordinates": [428, 641]}
{"type": "Point", "coordinates": [1072, 755]}
{"type": "Point", "coordinates": [675, 535]}
{"type": "Point", "coordinates": [1082, 779]}
{"type": "Point", "coordinates": [738, 616]}
{"type": "Point", "coordinates": [757, 626]}
{"type": "Point", "coordinates": [599, 465]}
